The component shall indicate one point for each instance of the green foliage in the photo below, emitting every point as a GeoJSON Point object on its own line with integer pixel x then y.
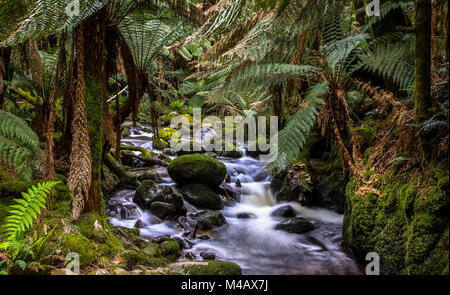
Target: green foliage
{"type": "Point", "coordinates": [45, 17]}
{"type": "Point", "coordinates": [24, 212]}
{"type": "Point", "coordinates": [147, 36]}
{"type": "Point", "coordinates": [19, 145]}
{"type": "Point", "coordinates": [392, 61]}
{"type": "Point", "coordinates": [292, 138]}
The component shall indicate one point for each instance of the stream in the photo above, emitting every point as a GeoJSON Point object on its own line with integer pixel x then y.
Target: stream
{"type": "Point", "coordinates": [252, 243]}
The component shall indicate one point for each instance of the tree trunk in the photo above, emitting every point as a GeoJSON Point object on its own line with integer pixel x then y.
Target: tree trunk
{"type": "Point", "coordinates": [94, 48]}
{"type": "Point", "coordinates": [57, 91]}
{"type": "Point", "coordinates": [5, 57]}
{"type": "Point", "coordinates": [423, 67]}
{"type": "Point", "coordinates": [79, 181]}
{"type": "Point", "coordinates": [37, 75]}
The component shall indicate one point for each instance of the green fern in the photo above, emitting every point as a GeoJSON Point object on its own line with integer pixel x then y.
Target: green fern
{"type": "Point", "coordinates": [19, 145]}
{"type": "Point", "coordinates": [293, 137]}
{"type": "Point", "coordinates": [394, 62]}
{"type": "Point", "coordinates": [24, 212]}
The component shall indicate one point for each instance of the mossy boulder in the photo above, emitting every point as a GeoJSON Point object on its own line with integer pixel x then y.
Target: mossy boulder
{"type": "Point", "coordinates": [94, 227]}
{"type": "Point", "coordinates": [79, 244]}
{"type": "Point", "coordinates": [167, 210]}
{"type": "Point", "coordinates": [171, 249]}
{"type": "Point", "coordinates": [207, 219]}
{"type": "Point", "coordinates": [197, 168]}
{"type": "Point", "coordinates": [201, 196]}
{"type": "Point", "coordinates": [406, 226]}
{"type": "Point", "coordinates": [149, 192]}
{"type": "Point", "coordinates": [159, 199]}
{"type": "Point", "coordinates": [151, 175]}
{"type": "Point", "coordinates": [205, 267]}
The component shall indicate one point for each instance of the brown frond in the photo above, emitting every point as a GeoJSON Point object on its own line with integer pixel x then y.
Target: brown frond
{"type": "Point", "coordinates": [79, 180]}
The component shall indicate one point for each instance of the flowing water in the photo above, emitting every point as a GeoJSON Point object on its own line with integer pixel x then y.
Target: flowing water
{"type": "Point", "coordinates": [253, 243]}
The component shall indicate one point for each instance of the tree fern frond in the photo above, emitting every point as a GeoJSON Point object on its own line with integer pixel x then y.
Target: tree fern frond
{"type": "Point", "coordinates": [46, 17]}
{"type": "Point", "coordinates": [394, 62]}
{"type": "Point", "coordinates": [19, 145]}
{"type": "Point", "coordinates": [293, 137]}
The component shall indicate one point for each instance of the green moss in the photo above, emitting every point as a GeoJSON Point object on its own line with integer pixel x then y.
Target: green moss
{"type": "Point", "coordinates": [152, 250]}
{"type": "Point", "coordinates": [167, 133]}
{"type": "Point", "coordinates": [171, 249]}
{"type": "Point", "coordinates": [208, 267]}
{"type": "Point", "coordinates": [94, 111]}
{"type": "Point", "coordinates": [81, 245]}
{"type": "Point", "coordinates": [14, 188]}
{"type": "Point", "coordinates": [409, 229]}
{"type": "Point", "coordinates": [134, 258]}
{"type": "Point", "coordinates": [107, 243]}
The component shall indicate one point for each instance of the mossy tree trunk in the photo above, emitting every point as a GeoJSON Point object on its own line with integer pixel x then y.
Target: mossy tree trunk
{"type": "Point", "coordinates": [94, 48]}
{"type": "Point", "coordinates": [423, 66]}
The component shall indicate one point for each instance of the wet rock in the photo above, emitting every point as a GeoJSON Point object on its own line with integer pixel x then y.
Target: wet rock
{"type": "Point", "coordinates": [162, 209]}
{"type": "Point", "coordinates": [189, 225]}
{"type": "Point", "coordinates": [159, 200]}
{"type": "Point", "coordinates": [238, 183]}
{"type": "Point", "coordinates": [203, 237]}
{"type": "Point", "coordinates": [292, 184]}
{"type": "Point", "coordinates": [284, 211]}
{"type": "Point", "coordinates": [121, 210]}
{"type": "Point", "coordinates": [245, 215]}
{"type": "Point", "coordinates": [189, 255]}
{"type": "Point", "coordinates": [160, 239]}
{"type": "Point", "coordinates": [151, 175]}
{"type": "Point", "coordinates": [230, 195]}
{"type": "Point", "coordinates": [207, 219]}
{"type": "Point", "coordinates": [208, 255]}
{"type": "Point", "coordinates": [169, 151]}
{"type": "Point", "coordinates": [295, 225]}
{"type": "Point", "coordinates": [201, 196]}
{"type": "Point", "coordinates": [197, 168]}
{"type": "Point", "coordinates": [139, 224]}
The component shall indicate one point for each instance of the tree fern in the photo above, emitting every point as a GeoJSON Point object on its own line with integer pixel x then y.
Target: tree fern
{"type": "Point", "coordinates": [19, 145]}
{"type": "Point", "coordinates": [293, 137]}
{"type": "Point", "coordinates": [45, 17]}
{"type": "Point", "coordinates": [147, 36]}
{"type": "Point", "coordinates": [393, 61]}
{"type": "Point", "coordinates": [24, 212]}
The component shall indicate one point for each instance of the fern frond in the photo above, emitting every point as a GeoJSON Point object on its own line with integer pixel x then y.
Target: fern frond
{"type": "Point", "coordinates": [293, 137]}
{"type": "Point", "coordinates": [45, 17]}
{"type": "Point", "coordinates": [19, 145]}
{"type": "Point", "coordinates": [147, 36]}
{"type": "Point", "coordinates": [394, 62]}
{"type": "Point", "coordinates": [25, 211]}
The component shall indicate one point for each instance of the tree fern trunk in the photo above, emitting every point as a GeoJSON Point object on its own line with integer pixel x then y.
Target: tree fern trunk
{"type": "Point", "coordinates": [5, 56]}
{"type": "Point", "coordinates": [79, 181]}
{"type": "Point", "coordinates": [57, 91]}
{"type": "Point", "coordinates": [423, 66]}
{"type": "Point", "coordinates": [94, 47]}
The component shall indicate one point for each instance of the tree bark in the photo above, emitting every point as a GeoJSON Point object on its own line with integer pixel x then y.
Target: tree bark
{"type": "Point", "coordinates": [57, 91]}
{"type": "Point", "coordinates": [5, 57]}
{"type": "Point", "coordinates": [79, 181]}
{"type": "Point", "coordinates": [423, 67]}
{"type": "Point", "coordinates": [94, 48]}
